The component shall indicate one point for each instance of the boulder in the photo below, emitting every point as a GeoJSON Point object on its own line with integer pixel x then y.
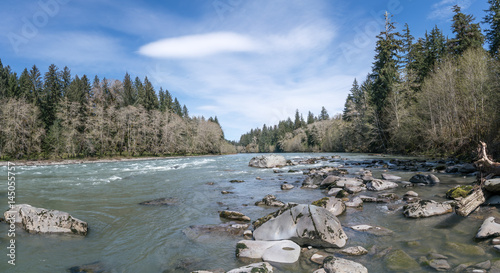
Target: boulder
{"type": "Point", "coordinates": [40, 220]}
{"type": "Point", "coordinates": [329, 180]}
{"type": "Point", "coordinates": [354, 189]}
{"type": "Point", "coordinates": [160, 202]}
{"type": "Point", "coordinates": [314, 179]}
{"type": "Point", "coordinates": [426, 208]}
{"type": "Point", "coordinates": [459, 192]}
{"type": "Point", "coordinates": [284, 251]}
{"type": "Point", "coordinates": [428, 179]}
{"type": "Point", "coordinates": [286, 187]}
{"type": "Point", "coordinates": [380, 185]}
{"type": "Point", "coordinates": [332, 204]}
{"type": "Point", "coordinates": [354, 251]}
{"type": "Point", "coordinates": [374, 230]}
{"type": "Point", "coordinates": [390, 177]}
{"type": "Point", "coordinates": [263, 267]}
{"type": "Point", "coordinates": [234, 215]}
{"type": "Point", "coordinates": [334, 191]}
{"type": "Point", "coordinates": [270, 200]}
{"type": "Point", "coordinates": [304, 224]}
{"type": "Point", "coordinates": [92, 267]}
{"type": "Point", "coordinates": [492, 185]}
{"type": "Point", "coordinates": [439, 264]}
{"type": "Point", "coordinates": [267, 161]}
{"type": "Point", "coordinates": [489, 228]}
{"type": "Point", "coordinates": [338, 265]}
{"type": "Point", "coordinates": [356, 202]}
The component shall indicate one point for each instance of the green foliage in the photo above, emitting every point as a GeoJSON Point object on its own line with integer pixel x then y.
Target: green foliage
{"type": "Point", "coordinates": [493, 33]}
{"type": "Point", "coordinates": [467, 34]}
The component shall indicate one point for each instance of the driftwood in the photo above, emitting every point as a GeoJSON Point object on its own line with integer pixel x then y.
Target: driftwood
{"type": "Point", "coordinates": [470, 203]}
{"type": "Point", "coordinates": [488, 168]}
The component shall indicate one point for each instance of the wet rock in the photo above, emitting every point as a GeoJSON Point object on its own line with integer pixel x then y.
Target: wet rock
{"type": "Point", "coordinates": [40, 220]}
{"type": "Point", "coordinates": [467, 168]}
{"type": "Point", "coordinates": [380, 185]}
{"type": "Point", "coordinates": [160, 202]}
{"type": "Point", "coordinates": [329, 180]}
{"type": "Point", "coordinates": [313, 180]}
{"type": "Point", "coordinates": [439, 264]}
{"type": "Point", "coordinates": [391, 196]}
{"type": "Point", "coordinates": [489, 228]}
{"type": "Point", "coordinates": [374, 230]}
{"type": "Point", "coordinates": [411, 194]}
{"type": "Point", "coordinates": [465, 249]}
{"type": "Point", "coordinates": [226, 192]}
{"type": "Point", "coordinates": [493, 200]}
{"type": "Point", "coordinates": [270, 200]}
{"type": "Point", "coordinates": [207, 231]}
{"type": "Point", "coordinates": [286, 187]}
{"type": "Point", "coordinates": [398, 260]}
{"type": "Point", "coordinates": [263, 267]}
{"type": "Point", "coordinates": [426, 208]}
{"type": "Point", "coordinates": [334, 191]}
{"type": "Point", "coordinates": [483, 265]}
{"type": "Point", "coordinates": [492, 185]}
{"type": "Point", "coordinates": [318, 258]}
{"type": "Point", "coordinates": [348, 182]}
{"type": "Point", "coordinates": [248, 234]}
{"type": "Point", "coordinates": [354, 251]}
{"type": "Point", "coordinates": [390, 177]}
{"type": "Point", "coordinates": [332, 204]}
{"type": "Point", "coordinates": [428, 179]}
{"type": "Point", "coordinates": [338, 265]}
{"type": "Point", "coordinates": [354, 189]}
{"type": "Point", "coordinates": [284, 251]}
{"type": "Point", "coordinates": [304, 224]}
{"type": "Point", "coordinates": [368, 199]}
{"type": "Point", "coordinates": [96, 267]}
{"type": "Point", "coordinates": [267, 161]}
{"type": "Point", "coordinates": [356, 202]}
{"type": "Point", "coordinates": [234, 215]}
{"type": "Point", "coordinates": [236, 181]}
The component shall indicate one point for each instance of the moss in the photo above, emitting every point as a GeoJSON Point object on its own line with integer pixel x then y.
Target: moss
{"type": "Point", "coordinates": [259, 270]}
{"type": "Point", "coordinates": [239, 248]}
{"type": "Point", "coordinates": [321, 202]}
{"type": "Point", "coordinates": [460, 191]}
{"type": "Point", "coordinates": [398, 260]}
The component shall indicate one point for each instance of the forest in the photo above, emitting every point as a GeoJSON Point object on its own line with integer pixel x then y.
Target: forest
{"type": "Point", "coordinates": [57, 116]}
{"type": "Point", "coordinates": [432, 95]}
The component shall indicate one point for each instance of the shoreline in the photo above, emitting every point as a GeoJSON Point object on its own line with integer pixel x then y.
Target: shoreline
{"type": "Point", "coordinates": [52, 162]}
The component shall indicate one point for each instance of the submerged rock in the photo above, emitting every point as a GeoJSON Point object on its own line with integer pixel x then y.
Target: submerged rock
{"type": "Point", "coordinates": [287, 187]}
{"type": "Point", "coordinates": [264, 267]}
{"type": "Point", "coordinates": [429, 179]}
{"type": "Point", "coordinates": [284, 251]}
{"type": "Point", "coordinates": [206, 231]}
{"type": "Point", "coordinates": [267, 161]}
{"type": "Point", "coordinates": [465, 249]}
{"type": "Point", "coordinates": [338, 265]}
{"type": "Point", "coordinates": [398, 260]}
{"type": "Point", "coordinates": [40, 220]}
{"type": "Point", "coordinates": [426, 208]}
{"type": "Point", "coordinates": [304, 224]}
{"type": "Point", "coordinates": [160, 202]}
{"type": "Point", "coordinates": [489, 228]}
{"type": "Point", "coordinates": [374, 230]}
{"type": "Point", "coordinates": [354, 251]}
{"type": "Point", "coordinates": [96, 267]}
{"type": "Point", "coordinates": [270, 200]}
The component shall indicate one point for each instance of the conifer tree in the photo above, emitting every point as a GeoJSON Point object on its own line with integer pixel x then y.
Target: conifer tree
{"type": "Point", "coordinates": [36, 85]}
{"type": "Point", "coordinates": [467, 34]}
{"type": "Point", "coordinates": [52, 93]}
{"type": "Point", "coordinates": [324, 114]}
{"type": "Point", "coordinates": [24, 85]}
{"type": "Point", "coordinates": [129, 94]}
{"type": "Point", "coordinates": [493, 33]}
{"type": "Point", "coordinates": [310, 118]}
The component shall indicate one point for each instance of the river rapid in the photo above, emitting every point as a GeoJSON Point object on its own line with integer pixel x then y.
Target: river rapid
{"type": "Point", "coordinates": [127, 237]}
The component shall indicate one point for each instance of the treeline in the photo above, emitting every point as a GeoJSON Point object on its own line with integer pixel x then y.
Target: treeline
{"type": "Point", "coordinates": [60, 116]}
{"type": "Point", "coordinates": [432, 95]}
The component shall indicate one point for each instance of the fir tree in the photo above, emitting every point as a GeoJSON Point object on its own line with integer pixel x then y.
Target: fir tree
{"type": "Point", "coordinates": [129, 94]}
{"type": "Point", "coordinates": [324, 114]}
{"type": "Point", "coordinates": [36, 85]}
{"type": "Point", "coordinates": [493, 33]}
{"type": "Point", "coordinates": [52, 93]}
{"type": "Point", "coordinates": [467, 34]}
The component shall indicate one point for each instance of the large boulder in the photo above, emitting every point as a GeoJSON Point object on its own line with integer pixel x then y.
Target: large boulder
{"type": "Point", "coordinates": [267, 161]}
{"type": "Point", "coordinates": [380, 185]}
{"type": "Point", "coordinates": [489, 228]}
{"type": "Point", "coordinates": [338, 265]}
{"type": "Point", "coordinates": [39, 220]}
{"type": "Point", "coordinates": [429, 179]}
{"type": "Point", "coordinates": [304, 224]}
{"type": "Point", "coordinates": [334, 205]}
{"type": "Point", "coordinates": [492, 185]}
{"type": "Point", "coordinates": [285, 251]}
{"type": "Point", "coordinates": [263, 267]}
{"type": "Point", "coordinates": [426, 208]}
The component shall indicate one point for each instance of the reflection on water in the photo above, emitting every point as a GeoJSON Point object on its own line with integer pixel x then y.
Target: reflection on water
{"type": "Point", "coordinates": [127, 237]}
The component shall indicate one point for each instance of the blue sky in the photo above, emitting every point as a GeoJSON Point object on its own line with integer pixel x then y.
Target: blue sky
{"type": "Point", "coordinates": [247, 62]}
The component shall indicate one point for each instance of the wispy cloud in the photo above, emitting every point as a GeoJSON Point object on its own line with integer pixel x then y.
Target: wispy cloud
{"type": "Point", "coordinates": [443, 9]}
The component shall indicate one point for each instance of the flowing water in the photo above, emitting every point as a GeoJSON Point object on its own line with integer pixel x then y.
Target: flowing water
{"type": "Point", "coordinates": [127, 237]}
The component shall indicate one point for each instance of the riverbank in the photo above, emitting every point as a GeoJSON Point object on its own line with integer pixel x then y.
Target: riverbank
{"type": "Point", "coordinates": [49, 162]}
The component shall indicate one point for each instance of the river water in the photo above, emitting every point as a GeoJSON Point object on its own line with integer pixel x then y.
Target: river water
{"type": "Point", "coordinates": [127, 237]}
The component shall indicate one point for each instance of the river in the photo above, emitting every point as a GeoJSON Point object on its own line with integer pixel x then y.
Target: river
{"type": "Point", "coordinates": [127, 237]}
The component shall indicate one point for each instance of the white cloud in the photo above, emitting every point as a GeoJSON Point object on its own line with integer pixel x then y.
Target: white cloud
{"type": "Point", "coordinates": [443, 10]}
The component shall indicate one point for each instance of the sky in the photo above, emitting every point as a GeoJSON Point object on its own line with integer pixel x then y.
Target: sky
{"type": "Point", "coordinates": [247, 62]}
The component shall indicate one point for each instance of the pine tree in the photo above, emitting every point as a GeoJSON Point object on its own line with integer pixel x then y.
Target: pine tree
{"type": "Point", "coordinates": [139, 90]}
{"type": "Point", "coordinates": [467, 34]}
{"type": "Point", "coordinates": [65, 80]}
{"type": "Point", "coordinates": [36, 85]}
{"type": "Point", "coordinates": [297, 124]}
{"type": "Point", "coordinates": [310, 118]}
{"type": "Point", "coordinates": [150, 100]}
{"type": "Point", "coordinates": [52, 93]}
{"type": "Point", "coordinates": [493, 33]}
{"type": "Point", "coordinates": [129, 94]}
{"type": "Point", "coordinates": [324, 114]}
{"type": "Point", "coordinates": [161, 96]}
{"type": "Point", "coordinates": [185, 112]}
{"type": "Point", "coordinates": [24, 85]}
{"type": "Point", "coordinates": [176, 108]}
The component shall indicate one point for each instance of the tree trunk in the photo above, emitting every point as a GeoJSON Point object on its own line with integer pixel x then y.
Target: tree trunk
{"type": "Point", "coordinates": [487, 166]}
{"type": "Point", "coordinates": [470, 203]}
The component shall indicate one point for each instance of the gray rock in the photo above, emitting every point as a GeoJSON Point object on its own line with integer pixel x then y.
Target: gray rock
{"type": "Point", "coordinates": [368, 199]}
{"type": "Point", "coordinates": [264, 267]}
{"type": "Point", "coordinates": [334, 191]}
{"type": "Point", "coordinates": [356, 202]}
{"type": "Point", "coordinates": [390, 196]}
{"type": "Point", "coordinates": [284, 251]}
{"type": "Point", "coordinates": [354, 189]}
{"type": "Point", "coordinates": [467, 168]}
{"type": "Point", "coordinates": [399, 261]}
{"type": "Point", "coordinates": [489, 228]}
{"type": "Point", "coordinates": [428, 179]}
{"type": "Point", "coordinates": [348, 182]}
{"type": "Point", "coordinates": [411, 194]}
{"type": "Point", "coordinates": [304, 224]}
{"type": "Point", "coordinates": [334, 205]}
{"type": "Point", "coordinates": [314, 179]}
{"type": "Point", "coordinates": [338, 265]}
{"type": "Point", "coordinates": [492, 185]}
{"type": "Point", "coordinates": [234, 215]}
{"type": "Point", "coordinates": [203, 232]}
{"type": "Point", "coordinates": [439, 264]}
{"type": "Point", "coordinates": [354, 251]}
{"type": "Point", "coordinates": [331, 179]}
{"type": "Point", "coordinates": [390, 177]}
{"type": "Point", "coordinates": [426, 208]}
{"type": "Point", "coordinates": [40, 220]}
{"type": "Point", "coordinates": [286, 187]}
{"type": "Point", "coordinates": [96, 267]}
{"type": "Point", "coordinates": [267, 161]}
{"type": "Point", "coordinates": [374, 230]}
{"type": "Point", "coordinates": [160, 202]}
{"type": "Point", "coordinates": [270, 200]}
{"type": "Point", "coordinates": [380, 185]}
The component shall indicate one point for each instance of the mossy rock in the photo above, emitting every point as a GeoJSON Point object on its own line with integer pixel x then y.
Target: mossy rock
{"type": "Point", "coordinates": [459, 191]}
{"type": "Point", "coordinates": [398, 260]}
{"type": "Point", "coordinates": [321, 202]}
{"type": "Point", "coordinates": [465, 249]}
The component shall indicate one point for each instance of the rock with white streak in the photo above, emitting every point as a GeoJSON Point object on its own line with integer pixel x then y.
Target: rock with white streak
{"type": "Point", "coordinates": [284, 251]}
{"type": "Point", "coordinates": [380, 185]}
{"type": "Point", "coordinates": [267, 161]}
{"type": "Point", "coordinates": [489, 228]}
